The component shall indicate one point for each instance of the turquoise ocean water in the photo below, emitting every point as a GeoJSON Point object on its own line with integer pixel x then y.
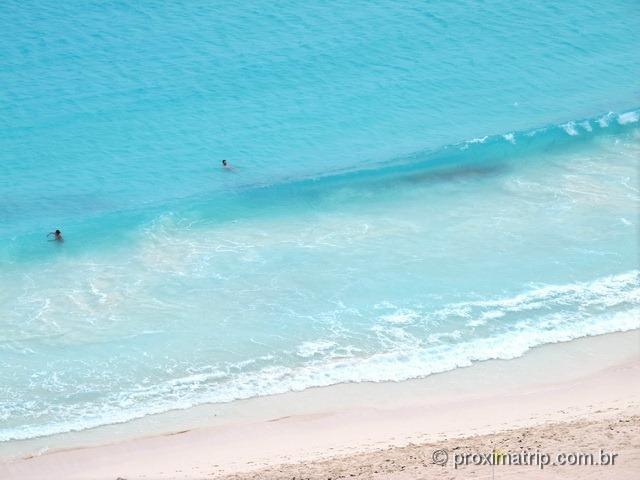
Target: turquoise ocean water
{"type": "Point", "coordinates": [418, 186]}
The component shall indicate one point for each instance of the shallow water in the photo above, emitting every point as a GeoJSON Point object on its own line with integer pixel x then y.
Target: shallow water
{"type": "Point", "coordinates": [416, 188]}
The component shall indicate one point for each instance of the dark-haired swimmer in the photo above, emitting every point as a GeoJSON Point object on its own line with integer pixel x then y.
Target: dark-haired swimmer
{"type": "Point", "coordinates": [227, 166]}
{"type": "Point", "coordinates": [57, 236]}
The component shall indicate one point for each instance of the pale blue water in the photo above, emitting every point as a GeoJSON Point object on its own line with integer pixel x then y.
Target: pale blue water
{"type": "Point", "coordinates": [418, 186]}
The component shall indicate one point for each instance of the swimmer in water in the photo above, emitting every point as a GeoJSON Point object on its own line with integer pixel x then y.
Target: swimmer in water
{"type": "Point", "coordinates": [226, 166]}
{"type": "Point", "coordinates": [57, 236]}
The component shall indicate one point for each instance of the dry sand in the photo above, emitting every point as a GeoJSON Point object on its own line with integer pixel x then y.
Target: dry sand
{"type": "Point", "coordinates": [581, 396]}
{"type": "Point", "coordinates": [619, 435]}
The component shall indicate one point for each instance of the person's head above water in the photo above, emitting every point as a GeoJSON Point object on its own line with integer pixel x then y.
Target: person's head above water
{"type": "Point", "coordinates": [57, 235]}
{"type": "Point", "coordinates": [224, 163]}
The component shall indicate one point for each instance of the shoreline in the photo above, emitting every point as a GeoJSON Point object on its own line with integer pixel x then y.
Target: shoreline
{"type": "Point", "coordinates": [591, 377]}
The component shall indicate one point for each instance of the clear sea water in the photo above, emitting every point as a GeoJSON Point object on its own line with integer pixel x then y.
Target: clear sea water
{"type": "Point", "coordinates": [418, 186]}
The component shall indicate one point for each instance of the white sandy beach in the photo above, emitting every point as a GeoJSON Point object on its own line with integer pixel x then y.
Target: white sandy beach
{"type": "Point", "coordinates": [581, 396]}
{"type": "Point", "coordinates": [320, 240]}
